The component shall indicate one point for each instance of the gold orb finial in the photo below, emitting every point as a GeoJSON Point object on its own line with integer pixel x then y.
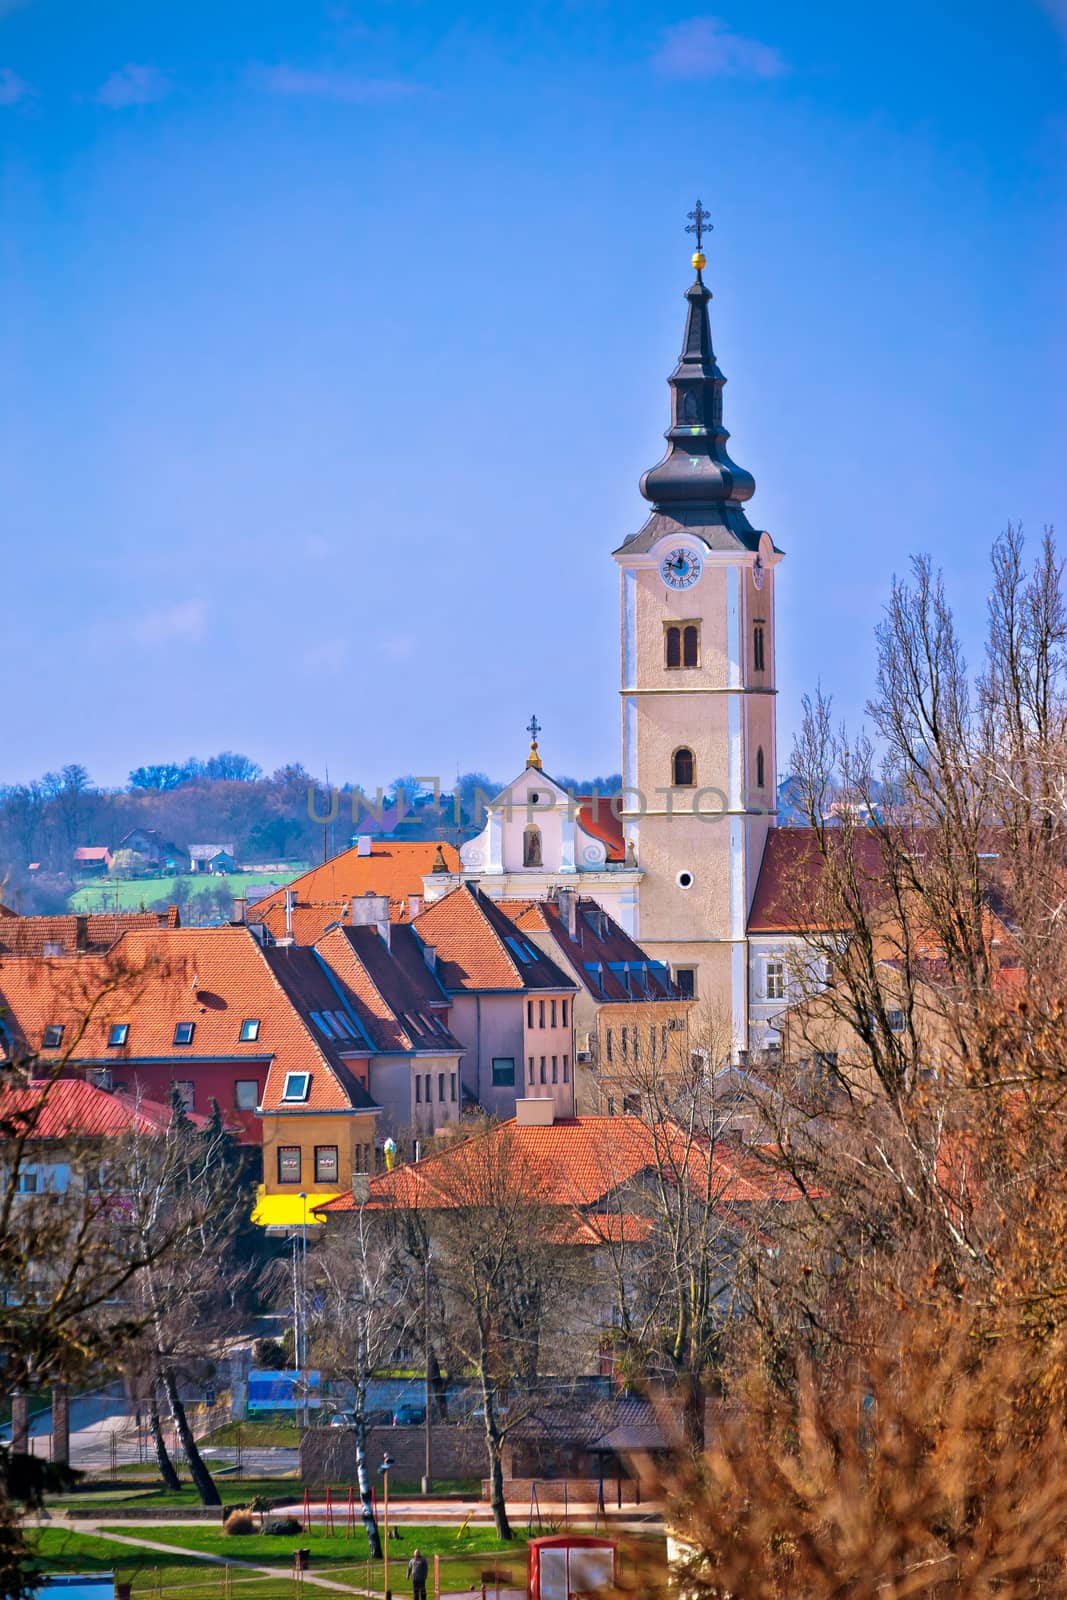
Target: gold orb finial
{"type": "Point", "coordinates": [700, 260]}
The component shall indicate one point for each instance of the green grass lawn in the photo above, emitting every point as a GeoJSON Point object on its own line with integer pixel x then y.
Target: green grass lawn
{"type": "Point", "coordinates": [464, 1555]}
{"type": "Point", "coordinates": [257, 1435]}
{"type": "Point", "coordinates": [152, 1572]}
{"type": "Point", "coordinates": [103, 894]}
{"type": "Point", "coordinates": [234, 1491]}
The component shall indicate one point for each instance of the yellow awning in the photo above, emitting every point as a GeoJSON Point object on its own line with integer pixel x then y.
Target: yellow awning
{"type": "Point", "coordinates": [288, 1210]}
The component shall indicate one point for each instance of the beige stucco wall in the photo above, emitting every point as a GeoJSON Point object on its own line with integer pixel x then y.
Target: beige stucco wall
{"type": "Point", "coordinates": [308, 1129]}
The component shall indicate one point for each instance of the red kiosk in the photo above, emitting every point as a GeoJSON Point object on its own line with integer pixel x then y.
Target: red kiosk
{"type": "Point", "coordinates": [565, 1565]}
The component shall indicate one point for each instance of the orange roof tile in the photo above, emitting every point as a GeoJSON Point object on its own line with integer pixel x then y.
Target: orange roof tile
{"type": "Point", "coordinates": [601, 945]}
{"type": "Point", "coordinates": [596, 817]}
{"type": "Point", "coordinates": [71, 1108]}
{"type": "Point", "coordinates": [70, 932]}
{"type": "Point", "coordinates": [470, 933]}
{"type": "Point", "coordinates": [394, 868]}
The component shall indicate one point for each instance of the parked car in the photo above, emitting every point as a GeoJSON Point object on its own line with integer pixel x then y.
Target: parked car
{"type": "Point", "coordinates": [408, 1416]}
{"type": "Point", "coordinates": [343, 1419]}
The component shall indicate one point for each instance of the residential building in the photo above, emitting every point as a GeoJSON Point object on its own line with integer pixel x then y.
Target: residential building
{"type": "Point", "coordinates": [92, 860]}
{"type": "Point", "coordinates": [73, 933]}
{"type": "Point", "coordinates": [217, 858]}
{"type": "Point", "coordinates": [512, 1006]}
{"type": "Point", "coordinates": [631, 1023]}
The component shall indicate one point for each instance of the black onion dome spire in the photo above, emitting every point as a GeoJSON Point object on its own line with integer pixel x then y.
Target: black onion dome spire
{"type": "Point", "coordinates": [696, 471]}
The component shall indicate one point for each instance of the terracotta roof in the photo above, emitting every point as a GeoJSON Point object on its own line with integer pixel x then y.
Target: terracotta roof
{"type": "Point", "coordinates": [92, 852]}
{"type": "Point", "coordinates": [71, 1108]}
{"type": "Point", "coordinates": [400, 1005]}
{"type": "Point", "coordinates": [94, 931]}
{"type": "Point", "coordinates": [789, 890]}
{"type": "Point", "coordinates": [211, 977]}
{"type": "Point", "coordinates": [394, 868]}
{"type": "Point", "coordinates": [478, 947]}
{"type": "Point", "coordinates": [611, 965]}
{"type": "Point", "coordinates": [576, 1162]}
{"type": "Point", "coordinates": [596, 817]}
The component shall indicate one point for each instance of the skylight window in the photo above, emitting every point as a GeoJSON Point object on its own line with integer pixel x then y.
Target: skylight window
{"type": "Point", "coordinates": [520, 949]}
{"type": "Point", "coordinates": [120, 1032]}
{"type": "Point", "coordinates": [341, 1024]}
{"type": "Point", "coordinates": [53, 1036]}
{"type": "Point", "coordinates": [183, 1032]}
{"type": "Point", "coordinates": [297, 1086]}
{"type": "Point", "coordinates": [324, 1027]}
{"type": "Point", "coordinates": [249, 1030]}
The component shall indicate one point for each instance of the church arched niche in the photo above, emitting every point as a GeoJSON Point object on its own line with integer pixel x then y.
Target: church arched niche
{"type": "Point", "coordinates": [531, 846]}
{"type": "Point", "coordinates": [690, 409]}
{"type": "Point", "coordinates": [683, 768]}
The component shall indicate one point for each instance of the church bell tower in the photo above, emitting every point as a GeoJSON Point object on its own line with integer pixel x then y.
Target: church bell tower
{"type": "Point", "coordinates": [698, 690]}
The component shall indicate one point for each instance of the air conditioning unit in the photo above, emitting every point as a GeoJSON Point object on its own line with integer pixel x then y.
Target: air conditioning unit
{"type": "Point", "coordinates": [584, 1056]}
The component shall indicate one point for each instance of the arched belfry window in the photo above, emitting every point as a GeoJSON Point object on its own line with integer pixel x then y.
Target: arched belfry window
{"type": "Point", "coordinates": [690, 645]}
{"type": "Point", "coordinates": [690, 409]}
{"type": "Point", "coordinates": [683, 768]}
{"type": "Point", "coordinates": [674, 647]}
{"type": "Point", "coordinates": [681, 645]}
{"type": "Point", "coordinates": [759, 655]}
{"type": "Point", "coordinates": [759, 768]}
{"type": "Point", "coordinates": [531, 847]}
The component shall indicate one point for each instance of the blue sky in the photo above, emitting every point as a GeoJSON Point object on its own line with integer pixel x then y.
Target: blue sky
{"type": "Point", "coordinates": [334, 340]}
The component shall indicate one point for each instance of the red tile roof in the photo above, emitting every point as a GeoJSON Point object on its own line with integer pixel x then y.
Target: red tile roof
{"type": "Point", "coordinates": [399, 1003]}
{"type": "Point", "coordinates": [68, 1108]}
{"type": "Point", "coordinates": [600, 944]}
{"type": "Point", "coordinates": [93, 931]}
{"type": "Point", "coordinates": [152, 980]}
{"type": "Point", "coordinates": [577, 1162]}
{"type": "Point", "coordinates": [394, 868]}
{"type": "Point", "coordinates": [596, 816]}
{"type": "Point", "coordinates": [470, 933]}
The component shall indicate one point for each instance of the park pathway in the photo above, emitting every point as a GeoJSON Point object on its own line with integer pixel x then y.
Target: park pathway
{"type": "Point", "coordinates": [313, 1578]}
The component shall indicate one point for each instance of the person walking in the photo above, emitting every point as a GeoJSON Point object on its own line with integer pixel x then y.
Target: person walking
{"type": "Point", "coordinates": [418, 1570]}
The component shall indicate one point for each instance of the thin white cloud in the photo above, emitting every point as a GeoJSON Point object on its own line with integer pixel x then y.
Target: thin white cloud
{"type": "Point", "coordinates": [706, 47]}
{"type": "Point", "coordinates": [353, 88]}
{"type": "Point", "coordinates": [328, 658]}
{"type": "Point", "coordinates": [187, 619]}
{"type": "Point", "coordinates": [13, 89]}
{"type": "Point", "coordinates": [133, 85]}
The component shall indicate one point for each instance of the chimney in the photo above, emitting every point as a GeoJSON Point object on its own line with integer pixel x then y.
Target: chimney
{"type": "Point", "coordinates": [363, 843]}
{"type": "Point", "coordinates": [372, 911]}
{"type": "Point", "coordinates": [240, 907]}
{"type": "Point", "coordinates": [290, 897]}
{"type": "Point", "coordinates": [534, 1113]}
{"type": "Point", "coordinates": [361, 1187]}
{"type": "Point", "coordinates": [81, 934]}
{"type": "Point", "coordinates": [414, 906]}
{"type": "Point", "coordinates": [163, 919]}
{"type": "Point", "coordinates": [568, 912]}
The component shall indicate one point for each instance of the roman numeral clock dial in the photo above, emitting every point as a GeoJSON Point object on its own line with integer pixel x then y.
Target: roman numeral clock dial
{"type": "Point", "coordinates": [680, 568]}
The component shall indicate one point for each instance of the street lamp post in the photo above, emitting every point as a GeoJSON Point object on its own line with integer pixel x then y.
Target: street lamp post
{"type": "Point", "coordinates": [387, 1462]}
{"type": "Point", "coordinates": [427, 1476]}
{"type": "Point", "coordinates": [303, 1297]}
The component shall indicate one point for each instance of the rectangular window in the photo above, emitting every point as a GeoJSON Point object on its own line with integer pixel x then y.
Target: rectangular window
{"type": "Point", "coordinates": [529, 1013]}
{"type": "Point", "coordinates": [297, 1086]}
{"type": "Point", "coordinates": [326, 1163]}
{"type": "Point", "coordinates": [28, 1181]}
{"type": "Point", "coordinates": [185, 1089]}
{"type": "Point", "coordinates": [631, 1105]}
{"type": "Point", "coordinates": [250, 1030]}
{"type": "Point", "coordinates": [246, 1094]}
{"type": "Point", "coordinates": [452, 1084]}
{"type": "Point", "coordinates": [441, 1088]}
{"type": "Point", "coordinates": [552, 1003]}
{"type": "Point", "coordinates": [611, 1044]}
{"type": "Point", "coordinates": [428, 1088]}
{"type": "Point", "coordinates": [566, 1070]}
{"type": "Point", "coordinates": [418, 1088]}
{"type": "Point", "coordinates": [504, 1072]}
{"type": "Point", "coordinates": [626, 1044]}
{"type": "Point", "coordinates": [288, 1163]}
{"type": "Point", "coordinates": [774, 985]}
{"type": "Point", "coordinates": [555, 1069]}
{"type": "Point", "coordinates": [544, 1077]}
{"type": "Point", "coordinates": [531, 1069]}
{"type": "Point", "coordinates": [540, 1013]}
{"type": "Point", "coordinates": [183, 1032]}
{"type": "Point", "coordinates": [685, 981]}
{"type": "Point", "coordinates": [120, 1032]}
{"type": "Point", "coordinates": [758, 658]}
{"type": "Point", "coordinates": [563, 1013]}
{"type": "Point", "coordinates": [897, 1021]}
{"type": "Point", "coordinates": [53, 1036]}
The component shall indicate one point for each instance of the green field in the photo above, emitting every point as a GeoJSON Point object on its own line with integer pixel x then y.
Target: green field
{"type": "Point", "coordinates": [466, 1556]}
{"type": "Point", "coordinates": [147, 1492]}
{"type": "Point", "coordinates": [109, 894]}
{"type": "Point", "coordinates": [152, 1572]}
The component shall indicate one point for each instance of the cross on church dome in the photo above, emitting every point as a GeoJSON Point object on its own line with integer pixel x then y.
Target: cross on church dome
{"type": "Point", "coordinates": [533, 728]}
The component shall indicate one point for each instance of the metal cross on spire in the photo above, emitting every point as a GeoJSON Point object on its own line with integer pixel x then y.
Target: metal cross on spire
{"type": "Point", "coordinates": [699, 221]}
{"type": "Point", "coordinates": [533, 727]}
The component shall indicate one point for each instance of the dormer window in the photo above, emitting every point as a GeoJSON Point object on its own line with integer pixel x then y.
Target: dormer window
{"type": "Point", "coordinates": [183, 1032]}
{"type": "Point", "coordinates": [249, 1030]}
{"type": "Point", "coordinates": [120, 1032]}
{"type": "Point", "coordinates": [297, 1087]}
{"type": "Point", "coordinates": [53, 1036]}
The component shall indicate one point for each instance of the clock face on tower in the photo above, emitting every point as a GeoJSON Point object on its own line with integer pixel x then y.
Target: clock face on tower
{"type": "Point", "coordinates": [680, 568]}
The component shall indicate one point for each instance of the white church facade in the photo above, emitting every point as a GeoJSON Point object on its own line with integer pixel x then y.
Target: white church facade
{"type": "Point", "coordinates": [676, 856]}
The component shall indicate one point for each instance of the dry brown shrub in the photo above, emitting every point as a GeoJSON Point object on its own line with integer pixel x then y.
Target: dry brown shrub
{"type": "Point", "coordinates": [239, 1521]}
